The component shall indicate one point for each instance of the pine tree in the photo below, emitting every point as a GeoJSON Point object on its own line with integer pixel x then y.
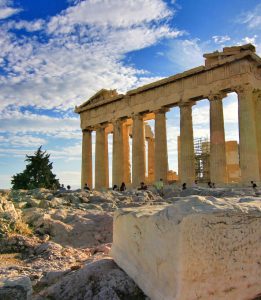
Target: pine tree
{"type": "Point", "coordinates": [37, 174]}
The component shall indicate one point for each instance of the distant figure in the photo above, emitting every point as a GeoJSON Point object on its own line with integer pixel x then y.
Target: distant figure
{"type": "Point", "coordinates": [68, 187]}
{"type": "Point", "coordinates": [196, 182]}
{"type": "Point", "coordinates": [213, 185]}
{"type": "Point", "coordinates": [184, 186]}
{"type": "Point", "coordinates": [62, 188]}
{"type": "Point", "coordinates": [142, 187]}
{"type": "Point", "coordinates": [159, 185]}
{"type": "Point", "coordinates": [86, 188]}
{"type": "Point", "coordinates": [115, 187]}
{"type": "Point", "coordinates": [209, 184]}
{"type": "Point", "coordinates": [254, 186]}
{"type": "Point", "coordinates": [123, 187]}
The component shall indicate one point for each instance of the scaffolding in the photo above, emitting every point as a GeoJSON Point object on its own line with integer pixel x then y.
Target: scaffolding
{"type": "Point", "coordinates": [202, 159]}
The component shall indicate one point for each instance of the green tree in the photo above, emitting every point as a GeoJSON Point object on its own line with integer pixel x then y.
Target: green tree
{"type": "Point", "coordinates": [37, 174]}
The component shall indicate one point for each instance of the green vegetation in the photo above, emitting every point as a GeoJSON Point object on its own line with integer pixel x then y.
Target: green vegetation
{"type": "Point", "coordinates": [37, 174]}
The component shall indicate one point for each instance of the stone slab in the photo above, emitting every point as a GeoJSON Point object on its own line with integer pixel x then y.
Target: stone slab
{"type": "Point", "coordinates": [198, 248]}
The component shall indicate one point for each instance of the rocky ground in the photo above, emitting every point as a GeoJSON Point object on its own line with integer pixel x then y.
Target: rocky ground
{"type": "Point", "coordinates": [55, 245]}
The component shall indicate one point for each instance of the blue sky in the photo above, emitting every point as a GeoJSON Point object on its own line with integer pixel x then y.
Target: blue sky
{"type": "Point", "coordinates": [56, 54]}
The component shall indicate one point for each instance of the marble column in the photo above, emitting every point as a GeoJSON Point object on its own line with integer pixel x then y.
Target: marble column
{"type": "Point", "coordinates": [218, 164]}
{"type": "Point", "coordinates": [101, 159]}
{"type": "Point", "coordinates": [86, 158]}
{"type": "Point", "coordinates": [151, 160]}
{"type": "Point", "coordinates": [248, 148]}
{"type": "Point", "coordinates": [118, 153]}
{"type": "Point", "coordinates": [138, 150]}
{"type": "Point", "coordinates": [187, 156]}
{"type": "Point", "coordinates": [257, 95]}
{"type": "Point", "coordinates": [126, 154]}
{"type": "Point", "coordinates": [161, 152]}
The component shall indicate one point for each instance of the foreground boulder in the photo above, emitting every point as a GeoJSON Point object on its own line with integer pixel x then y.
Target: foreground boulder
{"type": "Point", "coordinates": [198, 248]}
{"type": "Point", "coordinates": [19, 288]}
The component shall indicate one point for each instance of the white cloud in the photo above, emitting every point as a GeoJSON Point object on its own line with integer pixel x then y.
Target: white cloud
{"type": "Point", "coordinates": [22, 141]}
{"type": "Point", "coordinates": [82, 52]}
{"type": "Point", "coordinates": [15, 121]}
{"type": "Point", "coordinates": [220, 39]}
{"type": "Point", "coordinates": [6, 9]}
{"type": "Point", "coordinates": [116, 13]}
{"type": "Point", "coordinates": [186, 54]}
{"type": "Point", "coordinates": [251, 18]}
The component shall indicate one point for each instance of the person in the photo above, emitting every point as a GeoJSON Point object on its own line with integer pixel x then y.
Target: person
{"type": "Point", "coordinates": [142, 187]}
{"type": "Point", "coordinates": [196, 182]}
{"type": "Point", "coordinates": [159, 185]}
{"type": "Point", "coordinates": [68, 187]}
{"type": "Point", "coordinates": [86, 188]}
{"type": "Point", "coordinates": [213, 185]}
{"type": "Point", "coordinates": [62, 188]}
{"type": "Point", "coordinates": [115, 187]}
{"type": "Point", "coordinates": [209, 184]}
{"type": "Point", "coordinates": [184, 186]}
{"type": "Point", "coordinates": [254, 186]}
{"type": "Point", "coordinates": [123, 187]}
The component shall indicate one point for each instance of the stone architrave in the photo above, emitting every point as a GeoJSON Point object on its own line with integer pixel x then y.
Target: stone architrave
{"type": "Point", "coordinates": [126, 155]}
{"type": "Point", "coordinates": [118, 153]}
{"type": "Point", "coordinates": [138, 150]}
{"type": "Point", "coordinates": [101, 158]}
{"type": "Point", "coordinates": [248, 148]}
{"type": "Point", "coordinates": [187, 156]}
{"type": "Point", "coordinates": [258, 125]}
{"type": "Point", "coordinates": [161, 151]}
{"type": "Point", "coordinates": [218, 165]}
{"type": "Point", "coordinates": [151, 159]}
{"type": "Point", "coordinates": [86, 158]}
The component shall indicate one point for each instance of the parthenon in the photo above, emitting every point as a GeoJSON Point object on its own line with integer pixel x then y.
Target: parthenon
{"type": "Point", "coordinates": [235, 69]}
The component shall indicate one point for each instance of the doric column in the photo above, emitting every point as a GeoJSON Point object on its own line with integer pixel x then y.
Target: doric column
{"type": "Point", "coordinates": [187, 157]}
{"type": "Point", "coordinates": [86, 158]}
{"type": "Point", "coordinates": [257, 95]}
{"type": "Point", "coordinates": [218, 165]}
{"type": "Point", "coordinates": [126, 155]}
{"type": "Point", "coordinates": [161, 152]}
{"type": "Point", "coordinates": [248, 149]}
{"type": "Point", "coordinates": [118, 153]}
{"type": "Point", "coordinates": [101, 159]}
{"type": "Point", "coordinates": [151, 159]}
{"type": "Point", "coordinates": [138, 151]}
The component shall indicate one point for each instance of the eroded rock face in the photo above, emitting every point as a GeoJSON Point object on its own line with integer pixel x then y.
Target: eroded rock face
{"type": "Point", "coordinates": [198, 248]}
{"type": "Point", "coordinates": [99, 280]}
{"type": "Point", "coordinates": [19, 288]}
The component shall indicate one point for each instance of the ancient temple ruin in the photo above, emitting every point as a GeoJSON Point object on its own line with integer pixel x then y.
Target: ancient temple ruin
{"type": "Point", "coordinates": [235, 69]}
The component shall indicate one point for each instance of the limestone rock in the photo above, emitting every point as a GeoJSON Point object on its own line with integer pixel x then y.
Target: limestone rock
{"type": "Point", "coordinates": [100, 280]}
{"type": "Point", "coordinates": [19, 288]}
{"type": "Point", "coordinates": [198, 248]}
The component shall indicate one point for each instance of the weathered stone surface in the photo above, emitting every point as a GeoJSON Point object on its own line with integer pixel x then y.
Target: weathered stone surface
{"type": "Point", "coordinates": [18, 288]}
{"type": "Point", "coordinates": [198, 248]}
{"type": "Point", "coordinates": [100, 280]}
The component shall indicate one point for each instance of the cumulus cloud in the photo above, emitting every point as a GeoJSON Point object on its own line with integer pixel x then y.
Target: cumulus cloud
{"type": "Point", "coordinates": [80, 52]}
{"type": "Point", "coordinates": [6, 9]}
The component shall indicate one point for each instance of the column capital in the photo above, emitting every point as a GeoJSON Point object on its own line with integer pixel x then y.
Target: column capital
{"type": "Point", "coordinates": [89, 129]}
{"type": "Point", "coordinates": [186, 103]}
{"type": "Point", "coordinates": [243, 88]}
{"type": "Point", "coordinates": [257, 94]}
{"type": "Point", "coordinates": [139, 116]}
{"type": "Point", "coordinates": [161, 110]}
{"type": "Point", "coordinates": [216, 96]}
{"type": "Point", "coordinates": [100, 126]}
